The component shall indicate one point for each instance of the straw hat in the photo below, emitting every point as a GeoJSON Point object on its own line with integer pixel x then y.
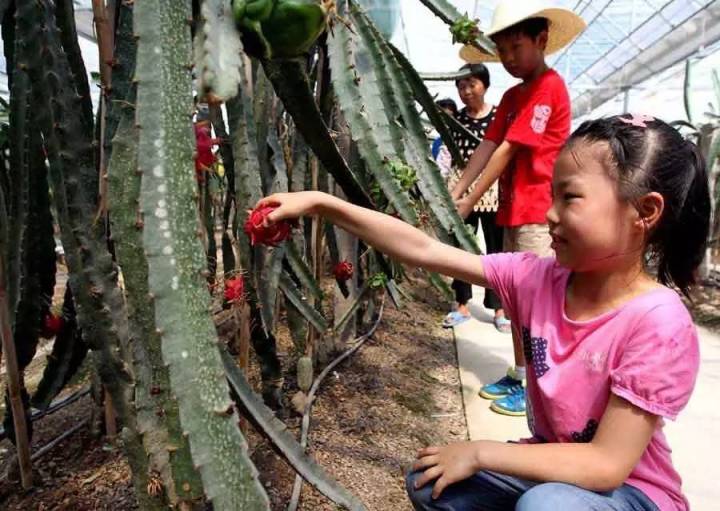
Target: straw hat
{"type": "Point", "coordinates": [564, 26]}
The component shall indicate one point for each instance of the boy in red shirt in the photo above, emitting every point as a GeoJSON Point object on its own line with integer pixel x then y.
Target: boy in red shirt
{"type": "Point", "coordinates": [520, 147]}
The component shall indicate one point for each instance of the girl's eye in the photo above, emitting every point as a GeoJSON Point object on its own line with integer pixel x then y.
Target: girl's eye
{"type": "Point", "coordinates": [570, 196]}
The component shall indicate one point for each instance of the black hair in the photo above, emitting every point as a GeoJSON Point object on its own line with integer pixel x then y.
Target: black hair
{"type": "Point", "coordinates": [648, 155]}
{"type": "Point", "coordinates": [447, 103]}
{"type": "Point", "coordinates": [531, 27]}
{"type": "Point", "coordinates": [478, 71]}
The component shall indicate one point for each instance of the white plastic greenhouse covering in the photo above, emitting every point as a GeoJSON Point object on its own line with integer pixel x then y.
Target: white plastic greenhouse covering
{"type": "Point", "coordinates": [631, 56]}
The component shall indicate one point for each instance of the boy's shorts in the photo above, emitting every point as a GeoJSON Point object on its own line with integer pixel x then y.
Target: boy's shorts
{"type": "Point", "coordinates": [533, 238]}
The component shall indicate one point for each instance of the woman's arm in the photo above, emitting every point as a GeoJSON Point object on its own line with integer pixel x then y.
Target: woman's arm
{"type": "Point", "coordinates": [601, 465]}
{"type": "Point", "coordinates": [394, 237]}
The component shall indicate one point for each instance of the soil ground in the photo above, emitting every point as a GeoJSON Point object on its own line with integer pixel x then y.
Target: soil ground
{"type": "Point", "coordinates": [397, 393]}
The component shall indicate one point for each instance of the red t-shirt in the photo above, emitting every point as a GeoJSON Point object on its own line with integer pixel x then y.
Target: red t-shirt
{"type": "Point", "coordinates": [538, 118]}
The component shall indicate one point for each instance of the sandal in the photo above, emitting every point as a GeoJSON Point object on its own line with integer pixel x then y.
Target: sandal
{"type": "Point", "coordinates": [454, 319]}
{"type": "Point", "coordinates": [502, 324]}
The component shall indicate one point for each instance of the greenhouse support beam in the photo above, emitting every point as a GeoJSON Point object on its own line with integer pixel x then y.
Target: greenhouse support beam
{"type": "Point", "coordinates": [701, 30]}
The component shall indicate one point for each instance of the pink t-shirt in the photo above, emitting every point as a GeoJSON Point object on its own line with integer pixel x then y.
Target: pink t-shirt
{"type": "Point", "coordinates": [645, 351]}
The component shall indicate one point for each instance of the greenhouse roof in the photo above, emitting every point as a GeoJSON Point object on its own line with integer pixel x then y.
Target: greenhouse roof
{"type": "Point", "coordinates": [619, 33]}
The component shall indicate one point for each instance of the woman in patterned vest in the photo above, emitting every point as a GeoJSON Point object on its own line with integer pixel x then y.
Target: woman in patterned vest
{"type": "Point", "coordinates": [476, 117]}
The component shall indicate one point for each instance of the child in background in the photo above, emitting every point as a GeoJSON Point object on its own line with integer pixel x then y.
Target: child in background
{"type": "Point", "coordinates": [520, 148]}
{"type": "Point", "coordinates": [439, 150]}
{"type": "Point", "coordinates": [611, 351]}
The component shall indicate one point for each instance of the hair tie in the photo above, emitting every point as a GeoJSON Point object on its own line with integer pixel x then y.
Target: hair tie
{"type": "Point", "coordinates": [637, 120]}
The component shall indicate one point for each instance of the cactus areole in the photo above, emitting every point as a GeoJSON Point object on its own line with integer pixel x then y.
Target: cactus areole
{"type": "Point", "coordinates": [281, 28]}
{"type": "Point", "coordinates": [258, 232]}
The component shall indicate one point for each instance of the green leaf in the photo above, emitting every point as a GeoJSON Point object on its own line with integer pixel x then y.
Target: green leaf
{"type": "Point", "coordinates": [687, 90]}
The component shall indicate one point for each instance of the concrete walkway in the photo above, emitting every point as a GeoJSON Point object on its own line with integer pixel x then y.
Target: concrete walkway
{"type": "Point", "coordinates": [484, 355]}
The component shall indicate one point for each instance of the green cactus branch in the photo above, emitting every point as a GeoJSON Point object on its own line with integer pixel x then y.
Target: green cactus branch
{"type": "Point", "coordinates": [218, 51]}
{"type": "Point", "coordinates": [422, 95]}
{"type": "Point", "coordinates": [69, 350]}
{"type": "Point", "coordinates": [430, 182]}
{"type": "Point", "coordinates": [92, 276]}
{"type": "Point", "coordinates": [17, 198]}
{"type": "Point", "coordinates": [374, 125]}
{"type": "Point", "coordinates": [292, 86]}
{"type": "Point", "coordinates": [282, 441]}
{"type": "Point", "coordinates": [158, 420]}
{"type": "Point", "coordinates": [176, 259]}
{"type": "Point", "coordinates": [65, 15]}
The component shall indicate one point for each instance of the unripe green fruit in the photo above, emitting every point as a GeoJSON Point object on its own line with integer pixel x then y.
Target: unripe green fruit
{"type": "Point", "coordinates": [280, 28]}
{"type": "Point", "coordinates": [294, 26]}
{"type": "Point", "coordinates": [305, 373]}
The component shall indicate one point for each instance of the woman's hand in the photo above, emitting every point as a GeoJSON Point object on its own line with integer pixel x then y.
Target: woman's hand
{"type": "Point", "coordinates": [291, 205]}
{"type": "Point", "coordinates": [464, 206]}
{"type": "Point", "coordinates": [448, 464]}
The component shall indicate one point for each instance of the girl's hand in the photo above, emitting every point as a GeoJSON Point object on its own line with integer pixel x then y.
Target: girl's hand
{"type": "Point", "coordinates": [290, 205]}
{"type": "Point", "coordinates": [448, 464]}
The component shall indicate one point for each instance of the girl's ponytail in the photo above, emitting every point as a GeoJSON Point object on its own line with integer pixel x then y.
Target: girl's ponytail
{"type": "Point", "coordinates": [680, 244]}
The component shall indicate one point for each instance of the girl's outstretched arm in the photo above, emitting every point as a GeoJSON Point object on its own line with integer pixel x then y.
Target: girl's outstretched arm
{"type": "Point", "coordinates": [390, 235]}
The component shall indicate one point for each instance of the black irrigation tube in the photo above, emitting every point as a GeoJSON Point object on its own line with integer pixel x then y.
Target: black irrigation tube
{"type": "Point", "coordinates": [54, 407]}
{"type": "Point", "coordinates": [297, 486]}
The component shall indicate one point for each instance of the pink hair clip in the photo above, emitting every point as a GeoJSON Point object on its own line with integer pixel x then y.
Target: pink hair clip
{"type": "Point", "coordinates": [637, 120]}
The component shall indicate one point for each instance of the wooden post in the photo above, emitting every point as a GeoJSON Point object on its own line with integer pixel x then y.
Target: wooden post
{"type": "Point", "coordinates": [14, 383]}
{"type": "Point", "coordinates": [105, 41]}
{"type": "Point", "coordinates": [110, 417]}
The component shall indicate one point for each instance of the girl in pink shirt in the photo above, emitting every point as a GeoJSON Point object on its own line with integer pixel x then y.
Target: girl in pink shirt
{"type": "Point", "coordinates": [611, 351]}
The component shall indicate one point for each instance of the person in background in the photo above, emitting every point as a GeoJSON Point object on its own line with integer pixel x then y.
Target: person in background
{"type": "Point", "coordinates": [440, 152]}
{"type": "Point", "coordinates": [476, 116]}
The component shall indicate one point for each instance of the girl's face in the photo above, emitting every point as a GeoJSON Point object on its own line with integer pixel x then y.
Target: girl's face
{"type": "Point", "coordinates": [472, 92]}
{"type": "Point", "coordinates": [592, 228]}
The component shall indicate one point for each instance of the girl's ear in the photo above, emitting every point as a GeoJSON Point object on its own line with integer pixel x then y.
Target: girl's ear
{"type": "Point", "coordinates": [650, 208]}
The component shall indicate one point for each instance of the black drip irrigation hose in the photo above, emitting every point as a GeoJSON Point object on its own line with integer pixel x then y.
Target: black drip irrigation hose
{"type": "Point", "coordinates": [54, 407]}
{"type": "Point", "coordinates": [297, 487]}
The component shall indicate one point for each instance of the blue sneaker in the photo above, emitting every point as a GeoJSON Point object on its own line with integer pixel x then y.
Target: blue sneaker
{"type": "Point", "coordinates": [454, 319]}
{"type": "Point", "coordinates": [513, 404]}
{"type": "Point", "coordinates": [501, 388]}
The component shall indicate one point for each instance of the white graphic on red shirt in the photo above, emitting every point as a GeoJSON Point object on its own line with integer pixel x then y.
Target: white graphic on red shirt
{"type": "Point", "coordinates": [541, 116]}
